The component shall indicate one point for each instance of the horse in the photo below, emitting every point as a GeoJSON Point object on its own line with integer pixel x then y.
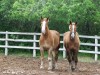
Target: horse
{"type": "Point", "coordinates": [72, 44]}
{"type": "Point", "coordinates": [50, 41]}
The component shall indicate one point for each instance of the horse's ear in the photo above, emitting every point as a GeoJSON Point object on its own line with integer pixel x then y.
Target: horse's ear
{"type": "Point", "coordinates": [48, 19]}
{"type": "Point", "coordinates": [70, 22]}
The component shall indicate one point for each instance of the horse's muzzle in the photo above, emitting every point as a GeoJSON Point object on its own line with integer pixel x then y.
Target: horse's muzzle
{"type": "Point", "coordinates": [72, 35]}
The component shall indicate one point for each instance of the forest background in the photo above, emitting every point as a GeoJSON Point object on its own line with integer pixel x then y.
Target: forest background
{"type": "Point", "coordinates": [24, 15]}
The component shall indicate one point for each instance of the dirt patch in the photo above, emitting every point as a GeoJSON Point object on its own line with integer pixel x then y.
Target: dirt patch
{"type": "Point", "coordinates": [12, 65]}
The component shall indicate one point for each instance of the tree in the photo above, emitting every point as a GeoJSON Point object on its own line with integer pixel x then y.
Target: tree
{"type": "Point", "coordinates": [24, 15]}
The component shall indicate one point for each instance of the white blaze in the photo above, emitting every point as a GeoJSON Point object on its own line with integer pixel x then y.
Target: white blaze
{"type": "Point", "coordinates": [43, 27]}
{"type": "Point", "coordinates": [69, 27]}
{"type": "Point", "coordinates": [72, 35]}
{"type": "Point", "coordinates": [72, 28]}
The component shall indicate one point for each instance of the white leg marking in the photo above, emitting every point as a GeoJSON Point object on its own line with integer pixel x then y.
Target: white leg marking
{"type": "Point", "coordinates": [56, 66]}
{"type": "Point", "coordinates": [50, 63]}
{"type": "Point", "coordinates": [41, 66]}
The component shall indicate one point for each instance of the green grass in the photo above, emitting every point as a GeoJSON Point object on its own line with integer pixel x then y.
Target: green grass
{"type": "Point", "coordinates": [21, 53]}
{"type": "Point", "coordinates": [86, 57]}
{"type": "Point", "coordinates": [83, 57]}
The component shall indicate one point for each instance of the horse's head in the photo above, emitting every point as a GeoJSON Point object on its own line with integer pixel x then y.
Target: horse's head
{"type": "Point", "coordinates": [44, 24]}
{"type": "Point", "coordinates": [72, 28]}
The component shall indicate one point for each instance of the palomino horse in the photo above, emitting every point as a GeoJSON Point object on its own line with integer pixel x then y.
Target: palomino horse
{"type": "Point", "coordinates": [49, 40]}
{"type": "Point", "coordinates": [72, 44]}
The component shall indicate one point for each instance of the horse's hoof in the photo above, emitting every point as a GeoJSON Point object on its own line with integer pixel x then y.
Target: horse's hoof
{"type": "Point", "coordinates": [53, 67]}
{"type": "Point", "coordinates": [73, 69]}
{"type": "Point", "coordinates": [41, 67]}
{"type": "Point", "coordinates": [50, 69]}
{"type": "Point", "coordinates": [77, 69]}
{"type": "Point", "coordinates": [56, 67]}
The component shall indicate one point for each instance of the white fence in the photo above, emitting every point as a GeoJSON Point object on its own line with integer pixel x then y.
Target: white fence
{"type": "Point", "coordinates": [6, 39]}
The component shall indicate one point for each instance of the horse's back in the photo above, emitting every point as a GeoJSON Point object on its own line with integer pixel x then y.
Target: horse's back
{"type": "Point", "coordinates": [55, 33]}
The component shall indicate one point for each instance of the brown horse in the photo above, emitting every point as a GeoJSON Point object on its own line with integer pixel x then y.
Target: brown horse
{"type": "Point", "coordinates": [72, 44]}
{"type": "Point", "coordinates": [49, 40]}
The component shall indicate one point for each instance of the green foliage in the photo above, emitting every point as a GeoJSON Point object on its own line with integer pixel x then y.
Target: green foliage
{"type": "Point", "coordinates": [24, 15]}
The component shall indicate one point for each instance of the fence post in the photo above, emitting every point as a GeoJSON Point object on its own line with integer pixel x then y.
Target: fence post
{"type": "Point", "coordinates": [6, 44]}
{"type": "Point", "coordinates": [34, 45]}
{"type": "Point", "coordinates": [96, 48]}
{"type": "Point", "coordinates": [64, 52]}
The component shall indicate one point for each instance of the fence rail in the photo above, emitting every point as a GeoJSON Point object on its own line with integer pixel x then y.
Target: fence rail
{"type": "Point", "coordinates": [7, 39]}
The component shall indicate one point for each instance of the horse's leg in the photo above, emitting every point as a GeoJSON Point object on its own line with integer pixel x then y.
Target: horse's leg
{"type": "Point", "coordinates": [56, 55]}
{"type": "Point", "coordinates": [69, 57]}
{"type": "Point", "coordinates": [53, 59]}
{"type": "Point", "coordinates": [50, 59]}
{"type": "Point", "coordinates": [42, 57]}
{"type": "Point", "coordinates": [74, 60]}
{"type": "Point", "coordinates": [56, 58]}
